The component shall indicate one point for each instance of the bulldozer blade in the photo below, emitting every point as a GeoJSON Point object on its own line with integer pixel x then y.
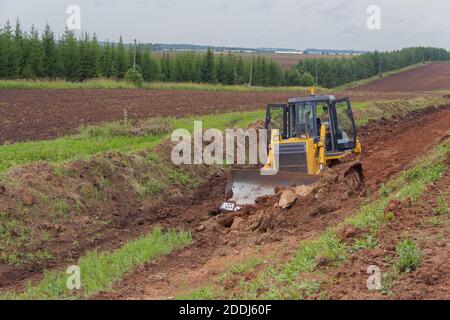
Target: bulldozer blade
{"type": "Point", "coordinates": [246, 185]}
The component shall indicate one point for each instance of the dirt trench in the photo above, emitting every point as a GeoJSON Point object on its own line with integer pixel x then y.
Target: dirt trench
{"type": "Point", "coordinates": [390, 146]}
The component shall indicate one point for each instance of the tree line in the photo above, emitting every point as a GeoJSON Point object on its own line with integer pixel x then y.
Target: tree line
{"type": "Point", "coordinates": [31, 55]}
{"type": "Point", "coordinates": [339, 71]}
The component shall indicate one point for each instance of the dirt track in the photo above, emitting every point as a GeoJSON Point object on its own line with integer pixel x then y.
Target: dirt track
{"type": "Point", "coordinates": [435, 76]}
{"type": "Point", "coordinates": [392, 146]}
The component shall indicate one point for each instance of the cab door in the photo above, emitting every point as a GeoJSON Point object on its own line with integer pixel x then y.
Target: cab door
{"type": "Point", "coordinates": [344, 128]}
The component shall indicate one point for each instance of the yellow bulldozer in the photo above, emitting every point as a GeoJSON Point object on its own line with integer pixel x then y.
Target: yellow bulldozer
{"type": "Point", "coordinates": [305, 136]}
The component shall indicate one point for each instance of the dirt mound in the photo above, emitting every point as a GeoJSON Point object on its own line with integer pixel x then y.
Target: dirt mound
{"type": "Point", "coordinates": [270, 216]}
{"type": "Point", "coordinates": [435, 76]}
{"type": "Point", "coordinates": [54, 214]}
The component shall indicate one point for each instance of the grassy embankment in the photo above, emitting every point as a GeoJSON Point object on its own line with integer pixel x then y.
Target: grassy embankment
{"type": "Point", "coordinates": [303, 276]}
{"type": "Point", "coordinates": [120, 84]}
{"type": "Point", "coordinates": [98, 271]}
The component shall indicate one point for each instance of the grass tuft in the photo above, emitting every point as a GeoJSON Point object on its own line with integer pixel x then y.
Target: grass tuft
{"type": "Point", "coordinates": [409, 256]}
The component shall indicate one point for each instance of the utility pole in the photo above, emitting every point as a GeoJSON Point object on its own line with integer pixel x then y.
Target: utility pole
{"type": "Point", "coordinates": [423, 55]}
{"type": "Point", "coordinates": [354, 78]}
{"type": "Point", "coordinates": [251, 72]}
{"type": "Point", "coordinates": [381, 68]}
{"type": "Point", "coordinates": [134, 58]}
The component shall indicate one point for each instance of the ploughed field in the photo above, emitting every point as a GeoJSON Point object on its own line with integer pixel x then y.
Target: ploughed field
{"type": "Point", "coordinates": [47, 114]}
{"type": "Point", "coordinates": [435, 76]}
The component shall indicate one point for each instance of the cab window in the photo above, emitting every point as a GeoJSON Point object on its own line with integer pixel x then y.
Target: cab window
{"type": "Point", "coordinates": [323, 118]}
{"type": "Point", "coordinates": [345, 126]}
{"type": "Point", "coordinates": [305, 116]}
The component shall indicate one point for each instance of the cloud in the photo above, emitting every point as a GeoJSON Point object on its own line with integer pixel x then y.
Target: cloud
{"type": "Point", "coordinates": [300, 24]}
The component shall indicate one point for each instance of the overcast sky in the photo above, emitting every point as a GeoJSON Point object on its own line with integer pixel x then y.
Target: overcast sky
{"type": "Point", "coordinates": [334, 24]}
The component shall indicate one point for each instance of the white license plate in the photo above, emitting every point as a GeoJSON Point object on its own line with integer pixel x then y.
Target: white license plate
{"type": "Point", "coordinates": [229, 206]}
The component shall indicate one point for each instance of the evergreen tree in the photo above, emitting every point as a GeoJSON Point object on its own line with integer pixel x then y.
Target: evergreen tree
{"type": "Point", "coordinates": [5, 47]}
{"type": "Point", "coordinates": [220, 70]}
{"type": "Point", "coordinates": [50, 53]}
{"type": "Point", "coordinates": [241, 72]}
{"type": "Point", "coordinates": [165, 67]}
{"type": "Point", "coordinates": [208, 69]}
{"type": "Point", "coordinates": [35, 55]}
{"type": "Point", "coordinates": [71, 56]}
{"type": "Point", "coordinates": [230, 76]}
{"type": "Point", "coordinates": [150, 68]}
{"type": "Point", "coordinates": [121, 59]}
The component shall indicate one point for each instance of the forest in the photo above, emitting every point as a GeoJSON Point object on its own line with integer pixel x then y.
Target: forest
{"type": "Point", "coordinates": [34, 55]}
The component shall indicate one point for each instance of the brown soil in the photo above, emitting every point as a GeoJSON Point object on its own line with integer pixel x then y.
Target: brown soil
{"type": "Point", "coordinates": [430, 280]}
{"type": "Point", "coordinates": [390, 145]}
{"type": "Point", "coordinates": [46, 114]}
{"type": "Point", "coordinates": [435, 76]}
{"type": "Point", "coordinates": [224, 239]}
{"type": "Point", "coordinates": [27, 115]}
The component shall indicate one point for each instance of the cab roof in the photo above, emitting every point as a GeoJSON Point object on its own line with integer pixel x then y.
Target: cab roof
{"type": "Point", "coordinates": [327, 98]}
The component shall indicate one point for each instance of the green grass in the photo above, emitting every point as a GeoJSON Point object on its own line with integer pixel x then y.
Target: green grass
{"type": "Point", "coordinates": [116, 136]}
{"type": "Point", "coordinates": [120, 84]}
{"type": "Point", "coordinates": [441, 205]}
{"type": "Point", "coordinates": [409, 256]}
{"type": "Point", "coordinates": [240, 268]}
{"type": "Point", "coordinates": [374, 110]}
{"type": "Point", "coordinates": [200, 294]}
{"type": "Point", "coordinates": [99, 271]}
{"type": "Point", "coordinates": [69, 148]}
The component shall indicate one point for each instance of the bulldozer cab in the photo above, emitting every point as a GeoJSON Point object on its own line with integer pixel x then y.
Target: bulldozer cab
{"type": "Point", "coordinates": [303, 118]}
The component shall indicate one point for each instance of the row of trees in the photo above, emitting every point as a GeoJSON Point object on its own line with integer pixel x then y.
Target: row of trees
{"type": "Point", "coordinates": [335, 72]}
{"type": "Point", "coordinates": [32, 55]}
